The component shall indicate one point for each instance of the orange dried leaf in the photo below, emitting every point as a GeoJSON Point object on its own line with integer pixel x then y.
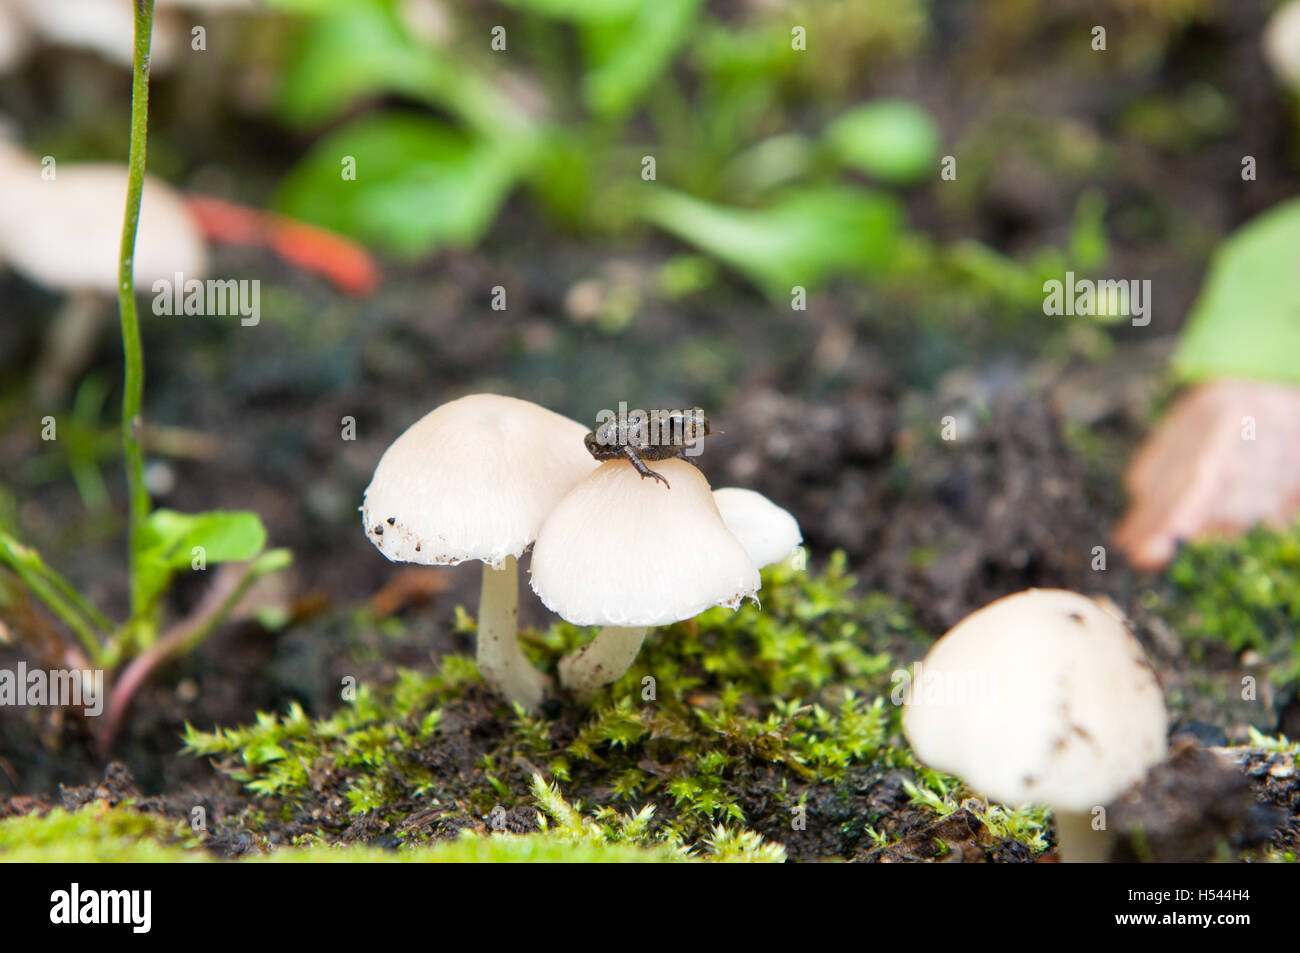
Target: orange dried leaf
{"type": "Point", "coordinates": [1225, 458]}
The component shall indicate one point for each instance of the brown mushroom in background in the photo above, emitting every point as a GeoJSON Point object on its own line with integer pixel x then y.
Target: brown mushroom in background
{"type": "Point", "coordinates": [1225, 458]}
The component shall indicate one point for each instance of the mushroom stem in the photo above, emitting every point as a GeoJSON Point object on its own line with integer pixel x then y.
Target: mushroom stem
{"type": "Point", "coordinates": [500, 660]}
{"type": "Point", "coordinates": [603, 660]}
{"type": "Point", "coordinates": [1077, 842]}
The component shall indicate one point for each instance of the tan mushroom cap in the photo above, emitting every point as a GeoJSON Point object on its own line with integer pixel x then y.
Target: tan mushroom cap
{"type": "Point", "coordinates": [1040, 697]}
{"type": "Point", "coordinates": [768, 533]}
{"type": "Point", "coordinates": [624, 551]}
{"type": "Point", "coordinates": [473, 479]}
{"type": "Point", "coordinates": [64, 232]}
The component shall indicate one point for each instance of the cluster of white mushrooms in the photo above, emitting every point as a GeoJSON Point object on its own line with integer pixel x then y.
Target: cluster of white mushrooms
{"type": "Point", "coordinates": [484, 477]}
{"type": "Point", "coordinates": [1042, 697]}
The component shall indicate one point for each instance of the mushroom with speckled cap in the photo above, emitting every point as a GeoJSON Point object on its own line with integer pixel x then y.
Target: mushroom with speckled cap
{"type": "Point", "coordinates": [627, 554]}
{"type": "Point", "coordinates": [474, 479]}
{"type": "Point", "coordinates": [1042, 697]}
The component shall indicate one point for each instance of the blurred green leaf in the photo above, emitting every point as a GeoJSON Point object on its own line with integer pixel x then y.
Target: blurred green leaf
{"type": "Point", "coordinates": [802, 238]}
{"type": "Point", "coordinates": [1089, 243]}
{"type": "Point", "coordinates": [1246, 322]}
{"type": "Point", "coordinates": [743, 53]}
{"type": "Point", "coordinates": [626, 56]}
{"type": "Point", "coordinates": [420, 184]}
{"type": "Point", "coordinates": [586, 11]}
{"type": "Point", "coordinates": [891, 140]}
{"type": "Point", "coordinates": [169, 540]}
{"type": "Point", "coordinates": [351, 50]}
{"type": "Point", "coordinates": [359, 48]}
{"type": "Point", "coordinates": [770, 163]}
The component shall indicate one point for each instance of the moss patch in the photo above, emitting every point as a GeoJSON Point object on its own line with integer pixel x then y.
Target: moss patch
{"type": "Point", "coordinates": [737, 735]}
{"type": "Point", "coordinates": [1239, 594]}
{"type": "Point", "coordinates": [98, 833]}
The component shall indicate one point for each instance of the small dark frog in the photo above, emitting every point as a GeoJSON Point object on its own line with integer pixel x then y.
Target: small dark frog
{"type": "Point", "coordinates": [658, 435]}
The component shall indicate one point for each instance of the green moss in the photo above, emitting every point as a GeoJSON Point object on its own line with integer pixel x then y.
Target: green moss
{"type": "Point", "coordinates": [1242, 593]}
{"type": "Point", "coordinates": [493, 849]}
{"type": "Point", "coordinates": [725, 725]}
{"type": "Point", "coordinates": [103, 834]}
{"type": "Point", "coordinates": [1026, 824]}
{"type": "Point", "coordinates": [97, 833]}
{"type": "Point", "coordinates": [1274, 744]}
{"type": "Point", "coordinates": [718, 713]}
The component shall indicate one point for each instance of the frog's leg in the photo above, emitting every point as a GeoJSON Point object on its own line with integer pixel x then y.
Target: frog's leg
{"type": "Point", "coordinates": [634, 458]}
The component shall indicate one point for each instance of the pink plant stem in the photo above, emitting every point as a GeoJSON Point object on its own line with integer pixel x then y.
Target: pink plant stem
{"type": "Point", "coordinates": [229, 581]}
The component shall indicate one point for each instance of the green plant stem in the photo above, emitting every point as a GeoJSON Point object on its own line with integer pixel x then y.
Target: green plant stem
{"type": "Point", "coordinates": [57, 594]}
{"type": "Point", "coordinates": [14, 552]}
{"type": "Point", "coordinates": [133, 351]}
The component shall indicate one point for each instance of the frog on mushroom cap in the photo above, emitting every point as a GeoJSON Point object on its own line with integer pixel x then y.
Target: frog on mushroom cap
{"type": "Point", "coordinates": [474, 479]}
{"type": "Point", "coordinates": [637, 437]}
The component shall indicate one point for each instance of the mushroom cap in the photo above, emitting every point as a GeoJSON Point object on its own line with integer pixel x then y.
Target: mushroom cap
{"type": "Point", "coordinates": [64, 232]}
{"type": "Point", "coordinates": [768, 533]}
{"type": "Point", "coordinates": [473, 479]}
{"type": "Point", "coordinates": [1040, 697]}
{"type": "Point", "coordinates": [105, 27]}
{"type": "Point", "coordinates": [621, 550]}
{"type": "Point", "coordinates": [1281, 44]}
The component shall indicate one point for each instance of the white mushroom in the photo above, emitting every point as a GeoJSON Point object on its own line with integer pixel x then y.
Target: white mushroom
{"type": "Point", "coordinates": [1282, 44]}
{"type": "Point", "coordinates": [1041, 697]}
{"type": "Point", "coordinates": [768, 533]}
{"type": "Point", "coordinates": [626, 554]}
{"type": "Point", "coordinates": [61, 227]}
{"type": "Point", "coordinates": [474, 479]}
{"type": "Point", "coordinates": [105, 27]}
